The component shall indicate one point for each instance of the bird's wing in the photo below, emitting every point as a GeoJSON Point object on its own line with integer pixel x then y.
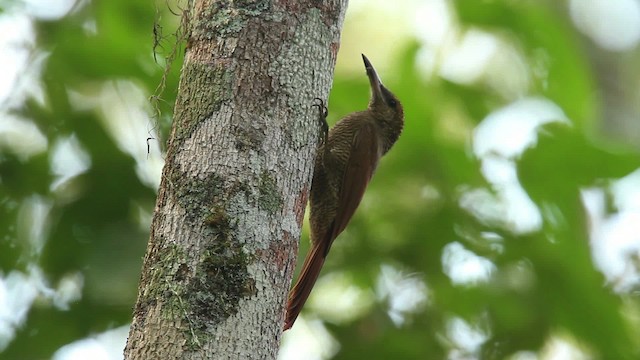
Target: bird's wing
{"type": "Point", "coordinates": [363, 160]}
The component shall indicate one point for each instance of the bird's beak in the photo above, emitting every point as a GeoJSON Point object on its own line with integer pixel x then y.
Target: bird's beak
{"type": "Point", "coordinates": [374, 81]}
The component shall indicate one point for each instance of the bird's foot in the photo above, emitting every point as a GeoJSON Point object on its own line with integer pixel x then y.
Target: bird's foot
{"type": "Point", "coordinates": [324, 127]}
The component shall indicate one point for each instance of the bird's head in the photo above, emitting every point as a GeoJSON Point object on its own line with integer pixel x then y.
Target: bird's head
{"type": "Point", "coordinates": [384, 106]}
{"type": "Point", "coordinates": [382, 101]}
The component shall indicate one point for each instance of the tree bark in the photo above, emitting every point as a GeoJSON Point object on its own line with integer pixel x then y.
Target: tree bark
{"type": "Point", "coordinates": [234, 188]}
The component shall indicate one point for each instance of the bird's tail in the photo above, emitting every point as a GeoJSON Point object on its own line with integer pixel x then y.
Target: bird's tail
{"type": "Point", "coordinates": [307, 278]}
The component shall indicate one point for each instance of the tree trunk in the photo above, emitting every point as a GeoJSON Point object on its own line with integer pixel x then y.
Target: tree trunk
{"type": "Point", "coordinates": [225, 231]}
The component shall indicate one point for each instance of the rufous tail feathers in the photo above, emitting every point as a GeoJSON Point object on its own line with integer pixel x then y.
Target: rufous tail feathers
{"type": "Point", "coordinates": [307, 278]}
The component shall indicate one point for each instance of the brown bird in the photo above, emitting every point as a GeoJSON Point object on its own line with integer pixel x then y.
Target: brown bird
{"type": "Point", "coordinates": [345, 163]}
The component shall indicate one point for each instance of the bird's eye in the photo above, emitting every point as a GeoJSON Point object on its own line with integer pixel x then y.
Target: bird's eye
{"type": "Point", "coordinates": [389, 98]}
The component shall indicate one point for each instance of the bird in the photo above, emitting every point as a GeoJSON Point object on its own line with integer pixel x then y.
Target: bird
{"type": "Point", "coordinates": [346, 159]}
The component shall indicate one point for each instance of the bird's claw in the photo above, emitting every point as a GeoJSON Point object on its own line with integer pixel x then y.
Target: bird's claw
{"type": "Point", "coordinates": [324, 127]}
{"type": "Point", "coordinates": [321, 107]}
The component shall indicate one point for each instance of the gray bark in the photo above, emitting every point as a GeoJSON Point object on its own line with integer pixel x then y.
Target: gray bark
{"type": "Point", "coordinates": [227, 221]}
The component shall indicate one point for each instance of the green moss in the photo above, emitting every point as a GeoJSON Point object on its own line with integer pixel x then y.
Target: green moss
{"type": "Point", "coordinates": [226, 17]}
{"type": "Point", "coordinates": [221, 278]}
{"type": "Point", "coordinates": [203, 89]}
{"type": "Point", "coordinates": [208, 294]}
{"type": "Point", "coordinates": [217, 219]}
{"type": "Point", "coordinates": [240, 187]}
{"type": "Point", "coordinates": [168, 272]}
{"type": "Point", "coordinates": [249, 138]}
{"type": "Point", "coordinates": [269, 197]}
{"type": "Point", "coordinates": [252, 7]}
{"type": "Point", "coordinates": [194, 194]}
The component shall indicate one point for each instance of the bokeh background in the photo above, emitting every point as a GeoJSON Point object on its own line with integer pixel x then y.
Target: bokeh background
{"type": "Point", "coordinates": [503, 224]}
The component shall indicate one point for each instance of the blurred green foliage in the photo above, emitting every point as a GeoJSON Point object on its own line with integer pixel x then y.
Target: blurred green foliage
{"type": "Point", "coordinates": [99, 233]}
